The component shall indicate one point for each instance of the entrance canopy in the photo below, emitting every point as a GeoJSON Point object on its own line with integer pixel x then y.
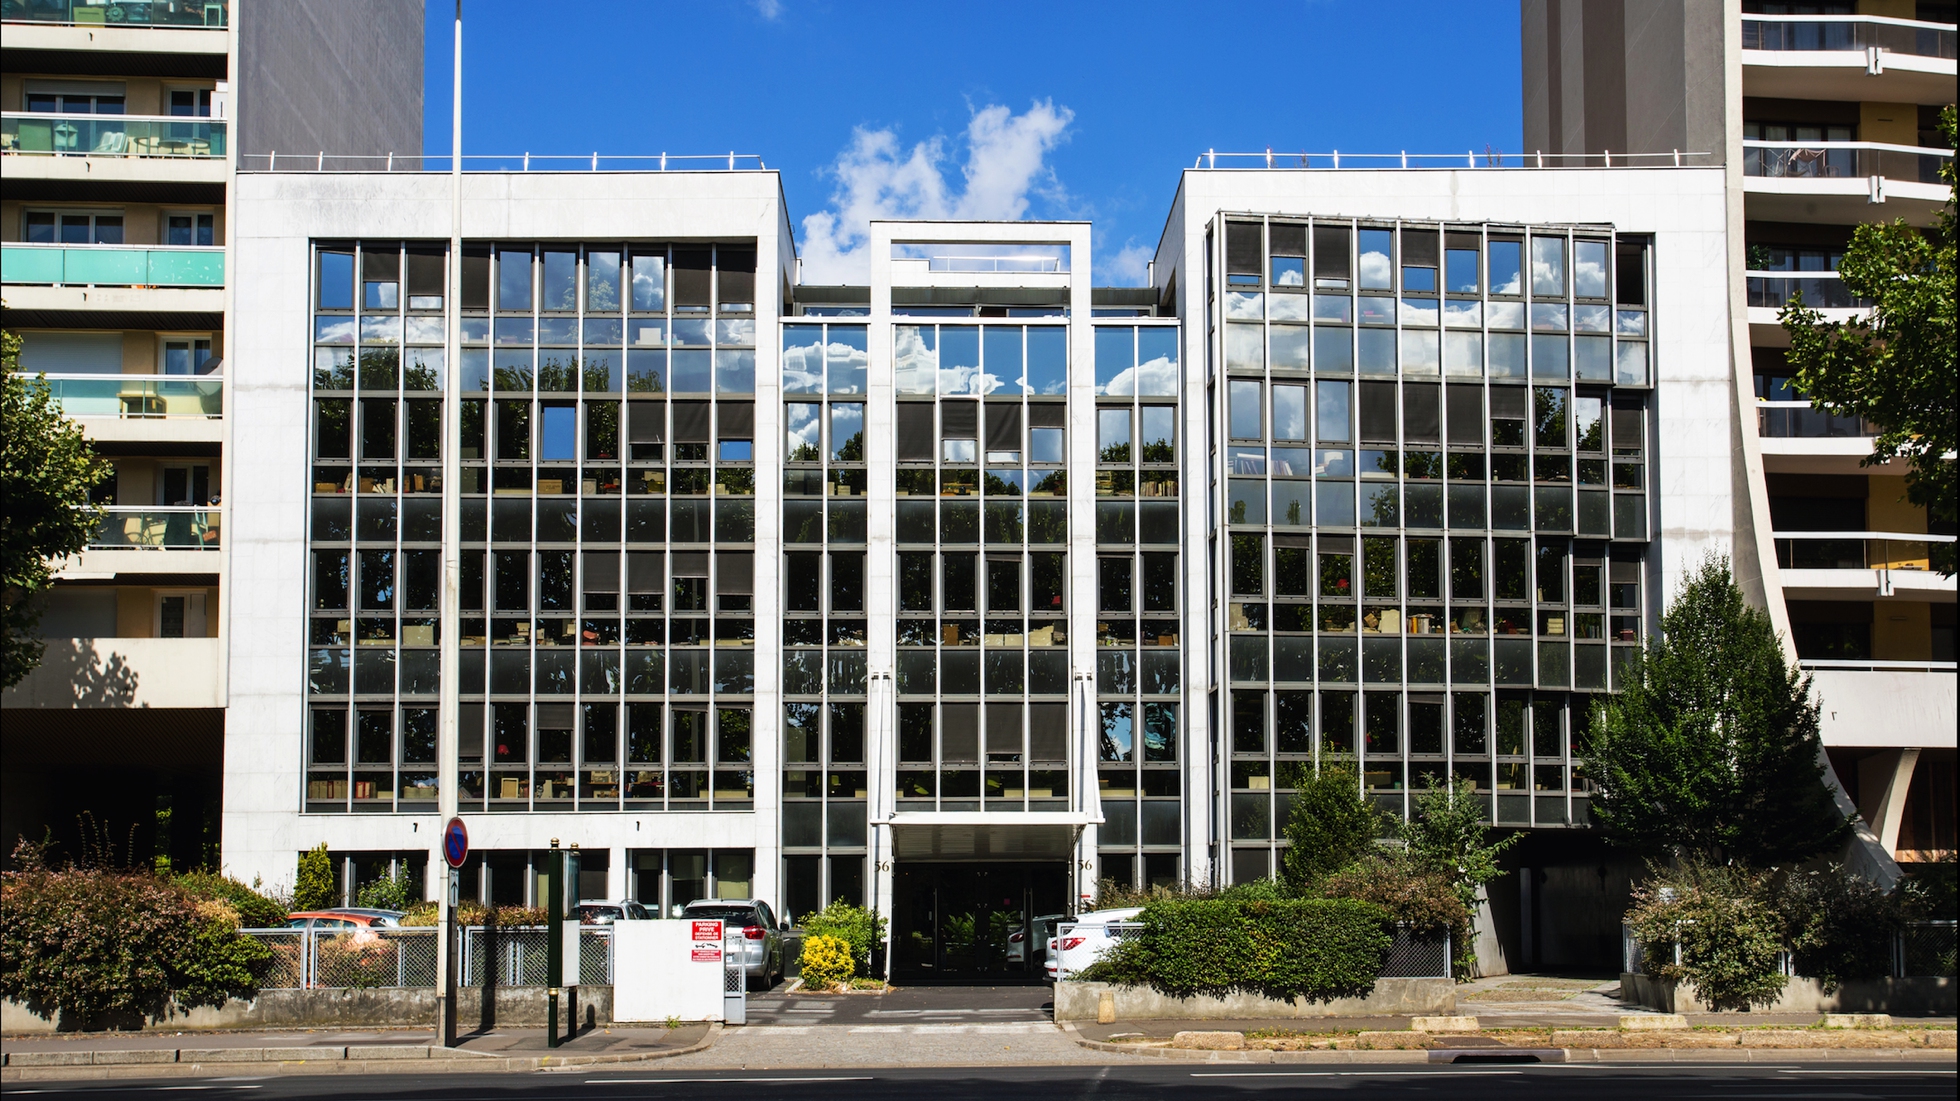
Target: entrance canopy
{"type": "Point", "coordinates": [980, 836]}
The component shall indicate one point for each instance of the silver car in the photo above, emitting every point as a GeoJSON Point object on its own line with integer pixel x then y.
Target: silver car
{"type": "Point", "coordinates": [750, 933]}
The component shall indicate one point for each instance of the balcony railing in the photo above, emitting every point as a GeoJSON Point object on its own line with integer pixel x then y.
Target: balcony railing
{"type": "Point", "coordinates": [1835, 33]}
{"type": "Point", "coordinates": [1870, 665]}
{"type": "Point", "coordinates": [159, 527]}
{"type": "Point", "coordinates": [1842, 160]}
{"type": "Point", "coordinates": [112, 265]}
{"type": "Point", "coordinates": [1822, 290]}
{"type": "Point", "coordinates": [1796, 420]}
{"type": "Point", "coordinates": [138, 395]}
{"type": "Point", "coordinates": [119, 13]}
{"type": "Point", "coordinates": [1855, 550]}
{"type": "Point", "coordinates": [161, 136]}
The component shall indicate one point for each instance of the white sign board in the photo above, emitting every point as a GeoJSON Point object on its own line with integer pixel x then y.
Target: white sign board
{"type": "Point", "coordinates": [665, 969]}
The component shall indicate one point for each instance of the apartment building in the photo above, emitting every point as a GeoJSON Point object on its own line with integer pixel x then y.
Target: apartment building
{"type": "Point", "coordinates": [1822, 115]}
{"type": "Point", "coordinates": [121, 122]}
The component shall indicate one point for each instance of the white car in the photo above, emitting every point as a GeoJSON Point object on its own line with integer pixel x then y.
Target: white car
{"type": "Point", "coordinates": [1078, 944]}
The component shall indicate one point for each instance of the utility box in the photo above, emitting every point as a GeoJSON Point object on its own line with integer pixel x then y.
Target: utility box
{"type": "Point", "coordinates": [664, 969]}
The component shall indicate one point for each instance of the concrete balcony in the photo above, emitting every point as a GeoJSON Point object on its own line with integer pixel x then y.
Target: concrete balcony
{"type": "Point", "coordinates": [1885, 703]}
{"type": "Point", "coordinates": [143, 408]}
{"type": "Point", "coordinates": [119, 26]}
{"type": "Point", "coordinates": [1769, 291]}
{"type": "Point", "coordinates": [123, 673]}
{"type": "Point", "coordinates": [104, 151]}
{"type": "Point", "coordinates": [1847, 57]}
{"type": "Point", "coordinates": [151, 540]}
{"type": "Point", "coordinates": [1859, 565]}
{"type": "Point", "coordinates": [1841, 182]}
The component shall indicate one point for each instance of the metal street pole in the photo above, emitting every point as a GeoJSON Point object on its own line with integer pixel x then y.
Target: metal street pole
{"type": "Point", "coordinates": [448, 742]}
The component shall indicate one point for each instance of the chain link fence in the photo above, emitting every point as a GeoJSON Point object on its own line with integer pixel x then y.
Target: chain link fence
{"type": "Point", "coordinates": [1922, 949]}
{"type": "Point", "coordinates": [1415, 956]}
{"type": "Point", "coordinates": [370, 958]}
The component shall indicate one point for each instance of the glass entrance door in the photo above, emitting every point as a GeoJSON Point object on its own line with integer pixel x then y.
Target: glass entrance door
{"type": "Point", "coordinates": [975, 922]}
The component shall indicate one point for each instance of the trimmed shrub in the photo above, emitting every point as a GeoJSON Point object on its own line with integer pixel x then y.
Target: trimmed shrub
{"type": "Point", "coordinates": [1422, 899]}
{"type": "Point", "coordinates": [315, 887]}
{"type": "Point", "coordinates": [1730, 940]}
{"type": "Point", "coordinates": [1289, 949]}
{"type": "Point", "coordinates": [826, 962]}
{"type": "Point", "coordinates": [1332, 826]}
{"type": "Point", "coordinates": [862, 930]}
{"type": "Point", "coordinates": [254, 910]}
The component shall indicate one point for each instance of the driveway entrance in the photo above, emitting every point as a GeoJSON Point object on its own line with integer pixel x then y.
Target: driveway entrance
{"type": "Point", "coordinates": [974, 922]}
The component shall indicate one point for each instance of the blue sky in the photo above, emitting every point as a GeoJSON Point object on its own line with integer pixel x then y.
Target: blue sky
{"type": "Point", "coordinates": [1036, 110]}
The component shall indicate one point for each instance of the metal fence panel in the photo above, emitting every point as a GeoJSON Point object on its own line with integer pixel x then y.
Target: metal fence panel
{"type": "Point", "coordinates": [1414, 956]}
{"type": "Point", "coordinates": [1927, 948]}
{"type": "Point", "coordinates": [290, 957]}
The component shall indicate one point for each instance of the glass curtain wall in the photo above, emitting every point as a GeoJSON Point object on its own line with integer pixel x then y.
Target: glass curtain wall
{"type": "Point", "coordinates": [608, 526]}
{"type": "Point", "coordinates": [824, 628]}
{"type": "Point", "coordinates": [982, 572]}
{"type": "Point", "coordinates": [1435, 506]}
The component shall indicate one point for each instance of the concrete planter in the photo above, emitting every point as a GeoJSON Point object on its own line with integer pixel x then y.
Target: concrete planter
{"type": "Point", "coordinates": [1918, 996]}
{"type": "Point", "coordinates": [1080, 1001]}
{"type": "Point", "coordinates": [342, 1007]}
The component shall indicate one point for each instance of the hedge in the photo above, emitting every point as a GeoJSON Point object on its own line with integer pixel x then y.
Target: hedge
{"type": "Point", "coordinates": [1288, 949]}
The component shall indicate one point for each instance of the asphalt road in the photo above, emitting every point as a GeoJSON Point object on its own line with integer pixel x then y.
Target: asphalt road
{"type": "Point", "coordinates": [1124, 1083]}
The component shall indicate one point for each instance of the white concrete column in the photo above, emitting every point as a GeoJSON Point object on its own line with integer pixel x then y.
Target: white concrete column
{"type": "Point", "coordinates": [1883, 780]}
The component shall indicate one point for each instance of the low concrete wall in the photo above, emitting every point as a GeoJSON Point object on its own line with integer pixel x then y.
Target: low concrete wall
{"type": "Point", "coordinates": [1077, 1001]}
{"type": "Point", "coordinates": [346, 1008]}
{"type": "Point", "coordinates": [1930, 996]}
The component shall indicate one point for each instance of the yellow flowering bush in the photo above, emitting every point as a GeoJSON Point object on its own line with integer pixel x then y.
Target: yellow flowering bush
{"type": "Point", "coordinates": [826, 962]}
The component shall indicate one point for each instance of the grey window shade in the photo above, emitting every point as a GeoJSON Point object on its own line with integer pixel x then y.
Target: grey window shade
{"type": "Point", "coordinates": [1292, 540]}
{"type": "Point", "coordinates": [646, 421]}
{"type": "Point", "coordinates": [476, 277]}
{"type": "Point", "coordinates": [1287, 240]}
{"type": "Point", "coordinates": [1627, 432]}
{"type": "Point", "coordinates": [1624, 572]}
{"type": "Point", "coordinates": [1330, 252]}
{"type": "Point", "coordinates": [736, 576]}
{"type": "Point", "coordinates": [914, 435]}
{"type": "Point", "coordinates": [959, 732]}
{"type": "Point", "coordinates": [735, 269]}
{"type": "Point", "coordinates": [735, 420]}
{"type": "Point", "coordinates": [1377, 412]}
{"type": "Point", "coordinates": [642, 572]}
{"type": "Point", "coordinates": [554, 716]}
{"type": "Point", "coordinates": [1004, 728]}
{"type": "Point", "coordinates": [1463, 240]}
{"type": "Point", "coordinates": [1048, 732]}
{"type": "Point", "coordinates": [959, 420]}
{"type": "Point", "coordinates": [1243, 247]}
{"type": "Point", "coordinates": [601, 571]}
{"type": "Point", "coordinates": [691, 422]}
{"type": "Point", "coordinates": [1047, 414]}
{"type": "Point", "coordinates": [690, 563]}
{"type": "Point", "coordinates": [1507, 401]}
{"type": "Point", "coordinates": [1420, 415]}
{"type": "Point", "coordinates": [1004, 426]}
{"type": "Point", "coordinates": [469, 729]}
{"type": "Point", "coordinates": [383, 263]}
{"type": "Point", "coordinates": [1419, 246]}
{"type": "Point", "coordinates": [691, 276]}
{"type": "Point", "coordinates": [424, 271]}
{"type": "Point", "coordinates": [1466, 409]}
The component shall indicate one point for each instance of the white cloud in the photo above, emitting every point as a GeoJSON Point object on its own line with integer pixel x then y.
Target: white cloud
{"type": "Point", "coordinates": [1006, 161]}
{"type": "Point", "coordinates": [770, 10]}
{"type": "Point", "coordinates": [1129, 267]}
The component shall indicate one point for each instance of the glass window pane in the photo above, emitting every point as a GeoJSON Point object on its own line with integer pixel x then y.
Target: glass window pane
{"type": "Point", "coordinates": [1245, 411]}
{"type": "Point", "coordinates": [1548, 266]}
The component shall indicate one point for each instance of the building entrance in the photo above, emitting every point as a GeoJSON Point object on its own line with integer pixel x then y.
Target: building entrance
{"type": "Point", "coordinates": [975, 922]}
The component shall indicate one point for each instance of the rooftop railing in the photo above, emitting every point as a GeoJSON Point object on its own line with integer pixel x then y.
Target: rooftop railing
{"type": "Point", "coordinates": [1870, 665]}
{"type": "Point", "coordinates": [280, 161]}
{"type": "Point", "coordinates": [138, 396]}
{"type": "Point", "coordinates": [1846, 33]}
{"type": "Point", "coordinates": [1821, 160]}
{"type": "Point", "coordinates": [200, 14]}
{"type": "Point", "coordinates": [163, 136]}
{"type": "Point", "coordinates": [1796, 420]}
{"type": "Point", "coordinates": [1469, 158]}
{"type": "Point", "coordinates": [112, 265]}
{"type": "Point", "coordinates": [159, 527]}
{"type": "Point", "coordinates": [1822, 290]}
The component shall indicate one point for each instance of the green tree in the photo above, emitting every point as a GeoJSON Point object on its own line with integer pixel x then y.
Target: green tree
{"type": "Point", "coordinates": [315, 887]}
{"type": "Point", "coordinates": [387, 892]}
{"type": "Point", "coordinates": [1332, 826]}
{"type": "Point", "coordinates": [1448, 834]}
{"type": "Point", "coordinates": [1712, 750]}
{"type": "Point", "coordinates": [1896, 367]}
{"type": "Point", "coordinates": [46, 477]}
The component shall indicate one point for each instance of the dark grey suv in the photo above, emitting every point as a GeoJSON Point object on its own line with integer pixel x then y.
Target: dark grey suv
{"type": "Point", "coordinates": [750, 933]}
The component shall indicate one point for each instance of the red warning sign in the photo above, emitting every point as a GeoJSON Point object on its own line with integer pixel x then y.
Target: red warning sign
{"type": "Point", "coordinates": [707, 955]}
{"type": "Point", "coordinates": [707, 930]}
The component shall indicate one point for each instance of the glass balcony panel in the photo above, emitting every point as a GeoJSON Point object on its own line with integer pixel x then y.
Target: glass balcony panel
{"type": "Point", "coordinates": [112, 265]}
{"type": "Point", "coordinates": [159, 527]}
{"type": "Point", "coordinates": [137, 396]}
{"type": "Point", "coordinates": [165, 137]}
{"type": "Point", "coordinates": [121, 13]}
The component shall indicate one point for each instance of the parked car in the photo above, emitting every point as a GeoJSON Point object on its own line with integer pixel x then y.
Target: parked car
{"type": "Point", "coordinates": [750, 932]}
{"type": "Point", "coordinates": [606, 911]}
{"type": "Point", "coordinates": [345, 919]}
{"type": "Point", "coordinates": [1044, 930]}
{"type": "Point", "coordinates": [1087, 939]}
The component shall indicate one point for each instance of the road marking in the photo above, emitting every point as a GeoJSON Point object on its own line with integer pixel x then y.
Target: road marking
{"type": "Point", "coordinates": [1861, 1072]}
{"type": "Point", "coordinates": [697, 1081]}
{"type": "Point", "coordinates": [1334, 1073]}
